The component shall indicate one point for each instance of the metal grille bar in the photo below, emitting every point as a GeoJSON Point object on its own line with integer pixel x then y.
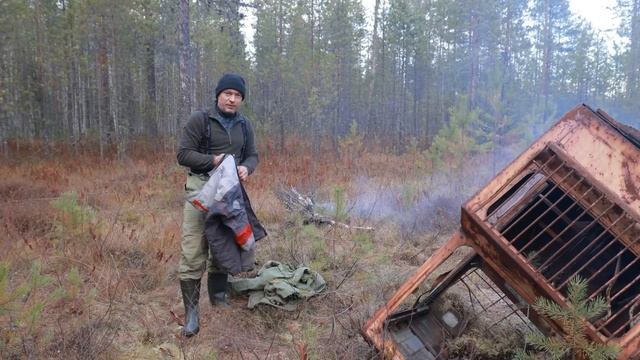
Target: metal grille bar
{"type": "Point", "coordinates": [476, 279]}
{"type": "Point", "coordinates": [582, 252]}
{"type": "Point", "coordinates": [571, 228]}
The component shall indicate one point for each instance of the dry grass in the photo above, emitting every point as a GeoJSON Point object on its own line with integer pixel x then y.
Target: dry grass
{"type": "Point", "coordinates": [106, 234]}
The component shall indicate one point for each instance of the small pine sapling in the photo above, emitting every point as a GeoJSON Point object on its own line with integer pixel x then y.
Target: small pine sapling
{"type": "Point", "coordinates": [574, 344]}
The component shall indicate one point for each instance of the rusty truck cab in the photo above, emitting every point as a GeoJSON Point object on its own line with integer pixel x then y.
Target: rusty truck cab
{"type": "Point", "coordinates": [568, 206]}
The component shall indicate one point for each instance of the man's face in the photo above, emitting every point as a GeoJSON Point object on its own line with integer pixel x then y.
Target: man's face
{"type": "Point", "coordinates": [229, 101]}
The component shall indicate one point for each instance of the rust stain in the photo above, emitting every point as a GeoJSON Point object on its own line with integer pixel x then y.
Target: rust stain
{"type": "Point", "coordinates": [629, 182]}
{"type": "Point", "coordinates": [605, 140]}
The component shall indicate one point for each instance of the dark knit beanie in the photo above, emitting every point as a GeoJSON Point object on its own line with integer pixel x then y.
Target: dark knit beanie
{"type": "Point", "coordinates": [231, 81]}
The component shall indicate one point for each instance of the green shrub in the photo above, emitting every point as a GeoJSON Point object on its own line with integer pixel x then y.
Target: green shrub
{"type": "Point", "coordinates": [21, 311]}
{"type": "Point", "coordinates": [340, 201]}
{"type": "Point", "coordinates": [364, 241]}
{"type": "Point", "coordinates": [73, 216]}
{"type": "Point", "coordinates": [28, 304]}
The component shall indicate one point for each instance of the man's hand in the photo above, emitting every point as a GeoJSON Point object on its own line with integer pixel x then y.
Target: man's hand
{"type": "Point", "coordinates": [217, 159]}
{"type": "Point", "coordinates": [243, 173]}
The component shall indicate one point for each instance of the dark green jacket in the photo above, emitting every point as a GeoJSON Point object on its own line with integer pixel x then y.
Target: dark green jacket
{"type": "Point", "coordinates": [191, 148]}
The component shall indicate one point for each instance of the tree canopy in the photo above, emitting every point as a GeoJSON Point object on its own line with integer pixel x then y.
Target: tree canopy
{"type": "Point", "coordinates": [95, 69]}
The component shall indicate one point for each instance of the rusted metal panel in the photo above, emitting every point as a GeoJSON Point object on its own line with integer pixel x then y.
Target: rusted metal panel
{"type": "Point", "coordinates": [373, 330]}
{"type": "Point", "coordinates": [607, 157]}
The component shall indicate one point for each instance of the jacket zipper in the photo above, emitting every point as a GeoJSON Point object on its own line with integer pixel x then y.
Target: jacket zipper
{"type": "Point", "coordinates": [228, 131]}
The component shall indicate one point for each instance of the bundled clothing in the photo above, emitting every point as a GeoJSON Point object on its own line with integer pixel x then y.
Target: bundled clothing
{"type": "Point", "coordinates": [280, 285]}
{"type": "Point", "coordinates": [231, 227]}
{"type": "Point", "coordinates": [222, 196]}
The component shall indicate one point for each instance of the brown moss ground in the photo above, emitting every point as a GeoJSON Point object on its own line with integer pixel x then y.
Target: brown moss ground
{"type": "Point", "coordinates": [118, 229]}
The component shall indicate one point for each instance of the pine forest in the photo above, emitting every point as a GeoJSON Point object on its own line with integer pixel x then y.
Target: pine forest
{"type": "Point", "coordinates": [381, 116]}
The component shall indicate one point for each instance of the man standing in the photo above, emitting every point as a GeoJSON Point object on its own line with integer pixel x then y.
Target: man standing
{"type": "Point", "coordinates": [206, 137]}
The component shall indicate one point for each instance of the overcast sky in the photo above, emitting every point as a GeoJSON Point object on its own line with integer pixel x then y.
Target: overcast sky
{"type": "Point", "coordinates": [596, 12]}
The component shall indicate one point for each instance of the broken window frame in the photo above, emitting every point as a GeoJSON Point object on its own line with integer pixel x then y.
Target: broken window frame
{"type": "Point", "coordinates": [552, 170]}
{"type": "Point", "coordinates": [484, 288]}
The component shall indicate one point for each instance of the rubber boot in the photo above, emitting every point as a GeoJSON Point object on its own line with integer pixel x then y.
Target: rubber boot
{"type": "Point", "coordinates": [217, 287]}
{"type": "Point", "coordinates": [191, 297]}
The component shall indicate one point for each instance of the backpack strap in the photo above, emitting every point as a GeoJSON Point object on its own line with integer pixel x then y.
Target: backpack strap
{"type": "Point", "coordinates": [205, 142]}
{"type": "Point", "coordinates": [243, 122]}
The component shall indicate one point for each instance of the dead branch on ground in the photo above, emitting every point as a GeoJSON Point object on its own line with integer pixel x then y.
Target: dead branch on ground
{"type": "Point", "coordinates": [303, 205]}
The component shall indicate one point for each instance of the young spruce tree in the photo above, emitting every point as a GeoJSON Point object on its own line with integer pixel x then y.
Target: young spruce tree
{"type": "Point", "coordinates": [574, 344]}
